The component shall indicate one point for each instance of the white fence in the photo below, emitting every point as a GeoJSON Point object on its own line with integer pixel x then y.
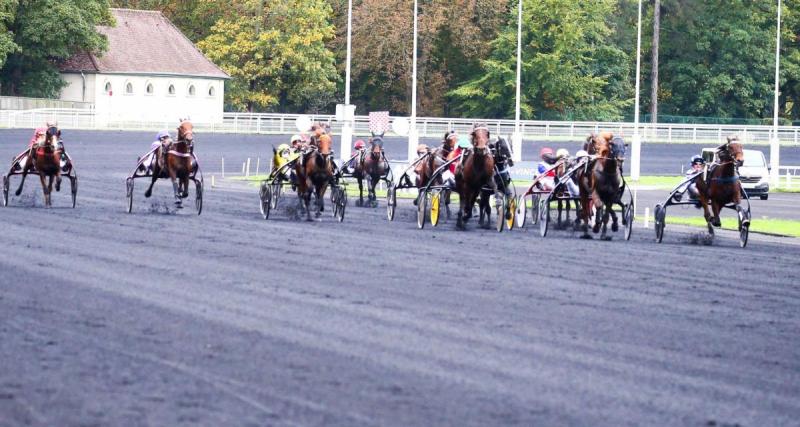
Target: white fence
{"type": "Point", "coordinates": [21, 103]}
{"type": "Point", "coordinates": [428, 126]}
{"type": "Point", "coordinates": [791, 177]}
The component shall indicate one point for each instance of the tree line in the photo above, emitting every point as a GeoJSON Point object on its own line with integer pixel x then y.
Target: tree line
{"type": "Point", "coordinates": [714, 58]}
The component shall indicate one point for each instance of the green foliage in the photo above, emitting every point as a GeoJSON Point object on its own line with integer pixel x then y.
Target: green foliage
{"type": "Point", "coordinates": [568, 65]}
{"type": "Point", "coordinates": [44, 32]}
{"type": "Point", "coordinates": [275, 51]}
{"type": "Point", "coordinates": [7, 45]}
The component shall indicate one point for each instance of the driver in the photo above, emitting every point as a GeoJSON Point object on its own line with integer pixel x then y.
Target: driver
{"type": "Point", "coordinates": [696, 165]}
{"type": "Point", "coordinates": [162, 138]}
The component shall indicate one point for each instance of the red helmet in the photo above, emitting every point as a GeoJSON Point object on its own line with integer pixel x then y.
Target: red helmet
{"type": "Point", "coordinates": [545, 150]}
{"type": "Point", "coordinates": [359, 144]}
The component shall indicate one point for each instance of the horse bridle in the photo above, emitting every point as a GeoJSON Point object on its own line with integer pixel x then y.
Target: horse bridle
{"type": "Point", "coordinates": [483, 150]}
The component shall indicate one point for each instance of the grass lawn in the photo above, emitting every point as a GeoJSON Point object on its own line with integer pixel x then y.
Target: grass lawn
{"type": "Point", "coordinates": [783, 227]}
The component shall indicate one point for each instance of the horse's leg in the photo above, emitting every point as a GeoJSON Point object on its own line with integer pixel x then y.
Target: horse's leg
{"type": "Point", "coordinates": [307, 198]}
{"type": "Point", "coordinates": [614, 221]}
{"type": "Point", "coordinates": [462, 203]}
{"type": "Point", "coordinates": [373, 198]}
{"type": "Point", "coordinates": [558, 221]}
{"type": "Point", "coordinates": [598, 204]}
{"type": "Point", "coordinates": [24, 175]}
{"type": "Point", "coordinates": [706, 213]}
{"type": "Point", "coordinates": [483, 201]}
{"type": "Point", "coordinates": [156, 170]}
{"type": "Point", "coordinates": [716, 207]}
{"type": "Point", "coordinates": [58, 179]}
{"type": "Point", "coordinates": [176, 191]}
{"type": "Point", "coordinates": [360, 201]}
{"type": "Point", "coordinates": [45, 191]}
{"type": "Point", "coordinates": [320, 200]}
{"type": "Point", "coordinates": [586, 211]}
{"type": "Point", "coordinates": [606, 214]}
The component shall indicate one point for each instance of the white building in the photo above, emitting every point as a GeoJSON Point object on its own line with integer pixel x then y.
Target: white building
{"type": "Point", "coordinates": [150, 72]}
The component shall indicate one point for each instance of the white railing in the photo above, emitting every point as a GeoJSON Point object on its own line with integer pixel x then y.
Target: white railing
{"type": "Point", "coordinates": [433, 127]}
{"type": "Point", "coordinates": [23, 103]}
{"type": "Point", "coordinates": [791, 178]}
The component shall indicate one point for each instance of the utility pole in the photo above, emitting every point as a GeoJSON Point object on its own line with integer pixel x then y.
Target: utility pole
{"type": "Point", "coordinates": [654, 71]}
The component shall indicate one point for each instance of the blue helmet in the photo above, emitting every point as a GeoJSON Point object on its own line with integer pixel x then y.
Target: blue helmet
{"type": "Point", "coordinates": [463, 142]}
{"type": "Point", "coordinates": [697, 160]}
{"type": "Point", "coordinates": [162, 134]}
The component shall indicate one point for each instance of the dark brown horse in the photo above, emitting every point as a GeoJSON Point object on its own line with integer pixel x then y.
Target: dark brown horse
{"type": "Point", "coordinates": [372, 166]}
{"type": "Point", "coordinates": [599, 185]}
{"type": "Point", "coordinates": [475, 171]}
{"type": "Point", "coordinates": [45, 156]}
{"type": "Point", "coordinates": [314, 174]}
{"type": "Point", "coordinates": [720, 185]}
{"type": "Point", "coordinates": [174, 159]}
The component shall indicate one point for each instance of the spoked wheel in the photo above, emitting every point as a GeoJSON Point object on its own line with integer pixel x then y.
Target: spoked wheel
{"type": "Point", "coordinates": [521, 214]}
{"type": "Point", "coordinates": [544, 216]}
{"type": "Point", "coordinates": [198, 196]}
{"type": "Point", "coordinates": [341, 204]}
{"type": "Point", "coordinates": [5, 190]}
{"type": "Point", "coordinates": [73, 184]}
{"type": "Point", "coordinates": [660, 215]}
{"type": "Point", "coordinates": [422, 207]}
{"type": "Point", "coordinates": [276, 193]}
{"type": "Point", "coordinates": [391, 200]}
{"type": "Point", "coordinates": [744, 225]}
{"type": "Point", "coordinates": [436, 204]}
{"type": "Point", "coordinates": [511, 212]}
{"type": "Point", "coordinates": [500, 212]}
{"type": "Point", "coordinates": [129, 193]}
{"type": "Point", "coordinates": [627, 215]}
{"type": "Point", "coordinates": [265, 194]}
{"type": "Point", "coordinates": [535, 201]}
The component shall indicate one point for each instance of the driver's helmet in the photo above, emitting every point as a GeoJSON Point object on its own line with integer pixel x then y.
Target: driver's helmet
{"type": "Point", "coordinates": [463, 142]}
{"type": "Point", "coordinates": [296, 138]}
{"type": "Point", "coordinates": [451, 134]}
{"type": "Point", "coordinates": [562, 153]}
{"type": "Point", "coordinates": [283, 147]}
{"type": "Point", "coordinates": [581, 153]}
{"type": "Point", "coordinates": [697, 160]}
{"type": "Point", "coordinates": [162, 134]}
{"type": "Point", "coordinates": [359, 145]}
{"type": "Point", "coordinates": [545, 151]}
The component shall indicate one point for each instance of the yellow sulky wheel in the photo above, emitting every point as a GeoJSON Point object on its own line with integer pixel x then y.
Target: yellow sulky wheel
{"type": "Point", "coordinates": [436, 202]}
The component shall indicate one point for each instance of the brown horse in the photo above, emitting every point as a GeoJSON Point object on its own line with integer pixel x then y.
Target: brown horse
{"type": "Point", "coordinates": [475, 171]}
{"type": "Point", "coordinates": [436, 157]}
{"type": "Point", "coordinates": [45, 157]}
{"type": "Point", "coordinates": [720, 185]}
{"type": "Point", "coordinates": [175, 160]}
{"type": "Point", "coordinates": [314, 173]}
{"type": "Point", "coordinates": [372, 166]}
{"type": "Point", "coordinates": [600, 183]}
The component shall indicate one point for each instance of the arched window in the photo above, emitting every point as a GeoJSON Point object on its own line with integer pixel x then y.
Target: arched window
{"type": "Point", "coordinates": [108, 88]}
{"type": "Point", "coordinates": [171, 89]}
{"type": "Point", "coordinates": [191, 90]}
{"type": "Point", "coordinates": [149, 89]}
{"type": "Point", "coordinates": [212, 91]}
{"type": "Point", "coordinates": [129, 88]}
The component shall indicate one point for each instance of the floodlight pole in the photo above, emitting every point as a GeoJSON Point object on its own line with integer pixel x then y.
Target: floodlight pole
{"type": "Point", "coordinates": [347, 129]}
{"type": "Point", "coordinates": [636, 152]}
{"type": "Point", "coordinates": [516, 140]}
{"type": "Point", "coordinates": [413, 137]}
{"type": "Point", "coordinates": [775, 144]}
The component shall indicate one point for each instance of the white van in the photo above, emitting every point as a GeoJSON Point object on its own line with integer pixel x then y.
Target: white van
{"type": "Point", "coordinates": [754, 172]}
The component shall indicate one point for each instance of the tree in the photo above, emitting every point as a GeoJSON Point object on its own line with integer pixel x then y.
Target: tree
{"type": "Point", "coordinates": [275, 51]}
{"type": "Point", "coordinates": [570, 69]}
{"type": "Point", "coordinates": [7, 45]}
{"type": "Point", "coordinates": [44, 32]}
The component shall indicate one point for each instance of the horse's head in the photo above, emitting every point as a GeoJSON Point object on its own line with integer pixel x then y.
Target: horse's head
{"type": "Point", "coordinates": [731, 151]}
{"type": "Point", "coordinates": [52, 134]}
{"type": "Point", "coordinates": [324, 144]}
{"type": "Point", "coordinates": [376, 145]}
{"type": "Point", "coordinates": [502, 151]}
{"type": "Point", "coordinates": [480, 137]}
{"type": "Point", "coordinates": [186, 131]}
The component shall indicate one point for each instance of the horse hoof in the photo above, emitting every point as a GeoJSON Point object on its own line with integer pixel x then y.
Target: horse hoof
{"type": "Point", "coordinates": [615, 227]}
{"type": "Point", "coordinates": [147, 194]}
{"type": "Point", "coordinates": [596, 229]}
{"type": "Point", "coordinates": [605, 238]}
{"type": "Point", "coordinates": [586, 237]}
{"type": "Point", "coordinates": [18, 192]}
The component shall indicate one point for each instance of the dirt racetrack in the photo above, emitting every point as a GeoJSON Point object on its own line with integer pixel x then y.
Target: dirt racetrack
{"type": "Point", "coordinates": [166, 318]}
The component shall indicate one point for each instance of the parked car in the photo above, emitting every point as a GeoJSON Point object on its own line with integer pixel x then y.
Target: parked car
{"type": "Point", "coordinates": [754, 172]}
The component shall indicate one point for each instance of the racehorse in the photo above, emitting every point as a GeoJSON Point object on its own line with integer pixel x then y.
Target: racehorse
{"type": "Point", "coordinates": [175, 160]}
{"type": "Point", "coordinates": [564, 206]}
{"type": "Point", "coordinates": [314, 173]}
{"type": "Point", "coordinates": [722, 185]}
{"type": "Point", "coordinates": [45, 157]}
{"type": "Point", "coordinates": [372, 166]}
{"type": "Point", "coordinates": [425, 169]}
{"type": "Point", "coordinates": [475, 170]}
{"type": "Point", "coordinates": [501, 152]}
{"type": "Point", "coordinates": [600, 182]}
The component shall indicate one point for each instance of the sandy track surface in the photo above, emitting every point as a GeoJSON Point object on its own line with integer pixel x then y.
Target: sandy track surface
{"type": "Point", "coordinates": [162, 317]}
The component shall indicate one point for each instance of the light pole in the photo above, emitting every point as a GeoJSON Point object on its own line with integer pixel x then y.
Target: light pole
{"type": "Point", "coordinates": [347, 129]}
{"type": "Point", "coordinates": [775, 144]}
{"type": "Point", "coordinates": [636, 152]}
{"type": "Point", "coordinates": [413, 137]}
{"type": "Point", "coordinates": [516, 140]}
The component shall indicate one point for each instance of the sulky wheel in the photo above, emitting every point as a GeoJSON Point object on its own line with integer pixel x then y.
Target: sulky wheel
{"type": "Point", "coordinates": [198, 196]}
{"type": "Point", "coordinates": [73, 184]}
{"type": "Point", "coordinates": [129, 193]}
{"type": "Point", "coordinates": [544, 216]}
{"type": "Point", "coordinates": [341, 204]}
{"type": "Point", "coordinates": [436, 207]}
{"type": "Point", "coordinates": [744, 225]}
{"type": "Point", "coordinates": [276, 193]}
{"type": "Point", "coordinates": [659, 214]}
{"type": "Point", "coordinates": [627, 215]}
{"type": "Point", "coordinates": [422, 207]}
{"type": "Point", "coordinates": [391, 200]}
{"type": "Point", "coordinates": [521, 215]}
{"type": "Point", "coordinates": [5, 190]}
{"type": "Point", "coordinates": [500, 212]}
{"type": "Point", "coordinates": [265, 195]}
{"type": "Point", "coordinates": [511, 212]}
{"type": "Point", "coordinates": [535, 202]}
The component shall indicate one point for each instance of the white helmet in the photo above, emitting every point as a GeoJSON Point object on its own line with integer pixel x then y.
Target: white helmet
{"type": "Point", "coordinates": [562, 153]}
{"type": "Point", "coordinates": [581, 153]}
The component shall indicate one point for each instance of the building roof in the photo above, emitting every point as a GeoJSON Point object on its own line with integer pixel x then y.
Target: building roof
{"type": "Point", "coordinates": [144, 42]}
